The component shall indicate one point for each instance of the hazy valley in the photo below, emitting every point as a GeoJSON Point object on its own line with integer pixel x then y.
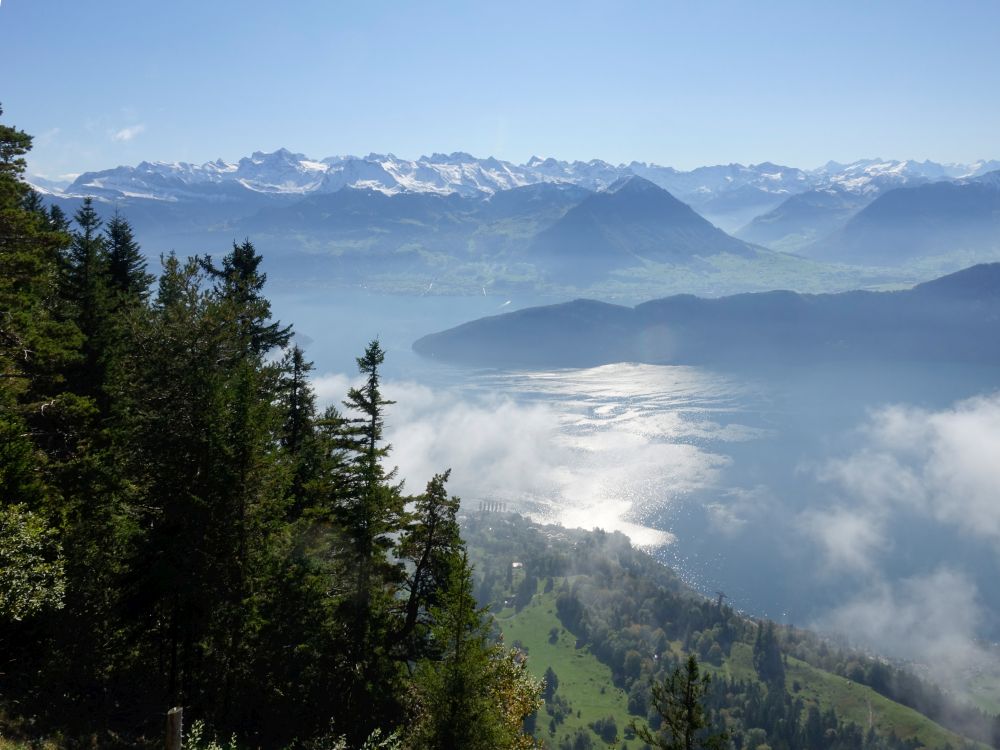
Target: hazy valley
{"type": "Point", "coordinates": [455, 224]}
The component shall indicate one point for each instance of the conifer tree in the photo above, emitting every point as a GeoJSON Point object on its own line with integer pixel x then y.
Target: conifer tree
{"type": "Point", "coordinates": [303, 449]}
{"type": "Point", "coordinates": [551, 684]}
{"type": "Point", "coordinates": [33, 345]}
{"type": "Point", "coordinates": [36, 341]}
{"type": "Point", "coordinates": [88, 295]}
{"type": "Point", "coordinates": [370, 514]}
{"type": "Point", "coordinates": [679, 702]}
{"type": "Point", "coordinates": [476, 694]}
{"type": "Point", "coordinates": [299, 400]}
{"type": "Point", "coordinates": [430, 544]}
{"type": "Point", "coordinates": [375, 509]}
{"type": "Point", "coordinates": [204, 429]}
{"type": "Point", "coordinates": [240, 281]}
{"type": "Point", "coordinates": [127, 274]}
{"type": "Point", "coordinates": [767, 659]}
{"type": "Point", "coordinates": [57, 219]}
{"type": "Point", "coordinates": [178, 441]}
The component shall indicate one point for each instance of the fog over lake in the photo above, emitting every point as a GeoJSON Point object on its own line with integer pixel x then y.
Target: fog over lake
{"type": "Point", "coordinates": [848, 498]}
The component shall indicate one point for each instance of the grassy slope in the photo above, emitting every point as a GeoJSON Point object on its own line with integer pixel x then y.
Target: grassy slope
{"type": "Point", "coordinates": [852, 701]}
{"type": "Point", "coordinates": [983, 689]}
{"type": "Point", "coordinates": [582, 676]}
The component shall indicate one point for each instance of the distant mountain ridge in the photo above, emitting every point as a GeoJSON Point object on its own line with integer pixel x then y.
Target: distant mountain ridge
{"type": "Point", "coordinates": [464, 224]}
{"type": "Point", "coordinates": [560, 233]}
{"type": "Point", "coordinates": [953, 318]}
{"type": "Point", "coordinates": [924, 221]}
{"type": "Point", "coordinates": [284, 171]}
{"type": "Point", "coordinates": [804, 218]}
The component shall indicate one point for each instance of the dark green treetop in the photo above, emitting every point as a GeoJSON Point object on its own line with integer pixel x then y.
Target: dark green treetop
{"type": "Point", "coordinates": [679, 702]}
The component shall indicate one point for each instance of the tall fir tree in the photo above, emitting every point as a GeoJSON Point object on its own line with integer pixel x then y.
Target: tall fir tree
{"type": "Point", "coordinates": [303, 448]}
{"type": "Point", "coordinates": [127, 276]}
{"type": "Point", "coordinates": [370, 513]}
{"type": "Point", "coordinates": [37, 341]}
{"type": "Point", "coordinates": [89, 296]}
{"type": "Point", "coordinates": [475, 694]}
{"type": "Point", "coordinates": [430, 545]}
{"type": "Point", "coordinates": [35, 346]}
{"type": "Point", "coordinates": [241, 281]}
{"type": "Point", "coordinates": [767, 658]}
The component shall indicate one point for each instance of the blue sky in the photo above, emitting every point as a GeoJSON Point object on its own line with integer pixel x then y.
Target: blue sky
{"type": "Point", "coordinates": [677, 83]}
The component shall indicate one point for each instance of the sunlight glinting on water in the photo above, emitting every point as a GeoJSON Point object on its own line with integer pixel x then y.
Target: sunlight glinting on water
{"type": "Point", "coordinates": [631, 440]}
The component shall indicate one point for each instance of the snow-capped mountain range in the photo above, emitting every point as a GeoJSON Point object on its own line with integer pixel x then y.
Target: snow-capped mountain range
{"type": "Point", "coordinates": [284, 172]}
{"type": "Point", "coordinates": [873, 176]}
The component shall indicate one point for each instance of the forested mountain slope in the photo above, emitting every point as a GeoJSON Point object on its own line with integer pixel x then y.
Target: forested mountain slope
{"type": "Point", "coordinates": [601, 620]}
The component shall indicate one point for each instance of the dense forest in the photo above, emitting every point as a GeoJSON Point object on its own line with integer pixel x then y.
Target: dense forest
{"type": "Point", "coordinates": [181, 526]}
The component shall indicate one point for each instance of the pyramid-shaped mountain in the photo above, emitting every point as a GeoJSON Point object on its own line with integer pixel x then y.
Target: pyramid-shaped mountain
{"type": "Point", "coordinates": [631, 221]}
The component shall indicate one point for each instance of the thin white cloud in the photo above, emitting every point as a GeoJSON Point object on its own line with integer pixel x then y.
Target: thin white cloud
{"type": "Point", "coordinates": [331, 389]}
{"type": "Point", "coordinates": [932, 619]}
{"type": "Point", "coordinates": [942, 465]}
{"type": "Point", "coordinates": [850, 539]}
{"type": "Point", "coordinates": [737, 507]}
{"type": "Point", "coordinates": [937, 465]}
{"type": "Point", "coordinates": [127, 134]}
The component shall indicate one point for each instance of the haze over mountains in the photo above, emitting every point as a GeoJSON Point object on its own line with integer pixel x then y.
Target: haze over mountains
{"type": "Point", "coordinates": [925, 221]}
{"type": "Point", "coordinates": [950, 319]}
{"type": "Point", "coordinates": [630, 222]}
{"type": "Point", "coordinates": [456, 223]}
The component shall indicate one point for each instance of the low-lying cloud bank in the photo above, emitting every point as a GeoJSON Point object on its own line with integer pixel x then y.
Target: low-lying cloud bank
{"type": "Point", "coordinates": [932, 619]}
{"type": "Point", "coordinates": [940, 466]}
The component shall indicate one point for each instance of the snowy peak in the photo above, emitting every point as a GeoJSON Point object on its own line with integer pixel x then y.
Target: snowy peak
{"type": "Point", "coordinates": [46, 185]}
{"type": "Point", "coordinates": [286, 172]}
{"type": "Point", "coordinates": [872, 177]}
{"type": "Point", "coordinates": [982, 167]}
{"type": "Point", "coordinates": [990, 179]}
{"type": "Point", "coordinates": [279, 172]}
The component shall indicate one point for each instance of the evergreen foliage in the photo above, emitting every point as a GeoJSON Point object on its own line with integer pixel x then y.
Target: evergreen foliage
{"type": "Point", "coordinates": [179, 526]}
{"type": "Point", "coordinates": [767, 658]}
{"type": "Point", "coordinates": [476, 693]}
{"type": "Point", "coordinates": [127, 274]}
{"type": "Point", "coordinates": [678, 701]}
